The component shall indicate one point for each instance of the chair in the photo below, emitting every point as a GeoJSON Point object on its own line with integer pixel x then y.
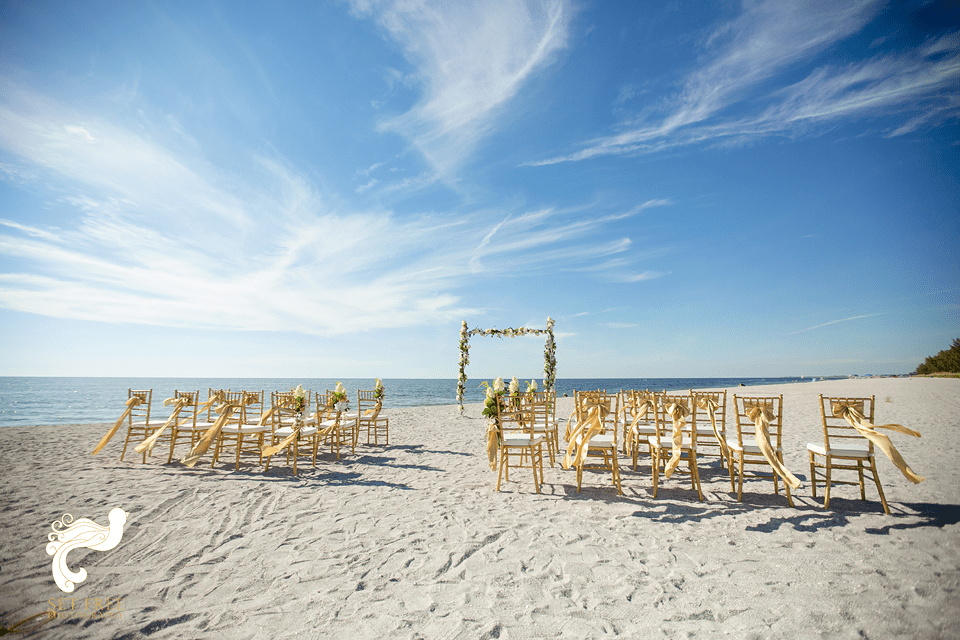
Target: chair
{"type": "Point", "coordinates": [187, 426]}
{"type": "Point", "coordinates": [758, 419]}
{"type": "Point", "coordinates": [246, 423]}
{"type": "Point", "coordinates": [334, 425]}
{"type": "Point", "coordinates": [283, 417]}
{"type": "Point", "coordinates": [710, 408]}
{"type": "Point", "coordinates": [674, 410]}
{"type": "Point", "coordinates": [514, 426]}
{"type": "Point", "coordinates": [542, 405]}
{"type": "Point", "coordinates": [843, 448]}
{"type": "Point", "coordinates": [368, 408]}
{"type": "Point", "coordinates": [639, 416]}
{"type": "Point", "coordinates": [138, 418]}
{"type": "Point", "coordinates": [595, 436]}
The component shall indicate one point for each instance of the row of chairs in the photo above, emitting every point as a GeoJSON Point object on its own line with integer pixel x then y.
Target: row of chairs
{"type": "Point", "coordinates": [255, 425]}
{"type": "Point", "coordinates": [633, 421]}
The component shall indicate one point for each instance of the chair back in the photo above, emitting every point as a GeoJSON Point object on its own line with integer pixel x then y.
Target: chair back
{"type": "Point", "coordinates": [630, 402]}
{"type": "Point", "coordinates": [141, 412]}
{"type": "Point", "coordinates": [702, 413]}
{"type": "Point", "coordinates": [188, 414]}
{"type": "Point", "coordinates": [515, 414]}
{"type": "Point", "coordinates": [746, 428]}
{"type": "Point", "coordinates": [838, 430]}
{"type": "Point", "coordinates": [252, 406]}
{"type": "Point", "coordinates": [367, 401]}
{"type": "Point", "coordinates": [212, 406]}
{"type": "Point", "coordinates": [664, 420]}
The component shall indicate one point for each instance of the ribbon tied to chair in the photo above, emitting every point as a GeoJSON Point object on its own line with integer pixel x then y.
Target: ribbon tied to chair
{"type": "Point", "coordinates": [710, 405]}
{"type": "Point", "coordinates": [584, 431]}
{"type": "Point", "coordinates": [761, 416]}
{"type": "Point", "coordinates": [853, 414]}
{"type": "Point", "coordinates": [677, 412]}
{"type": "Point", "coordinates": [640, 412]}
{"type": "Point", "coordinates": [226, 410]}
{"type": "Point", "coordinates": [133, 402]}
{"type": "Point", "coordinates": [493, 444]}
{"type": "Point", "coordinates": [178, 405]}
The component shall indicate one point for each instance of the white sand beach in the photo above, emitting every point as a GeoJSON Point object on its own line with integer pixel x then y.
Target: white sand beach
{"type": "Point", "coordinates": [411, 540]}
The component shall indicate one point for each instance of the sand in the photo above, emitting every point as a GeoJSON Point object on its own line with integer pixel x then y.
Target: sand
{"type": "Point", "coordinates": [412, 541]}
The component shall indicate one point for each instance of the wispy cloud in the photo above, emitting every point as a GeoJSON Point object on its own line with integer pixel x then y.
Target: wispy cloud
{"type": "Point", "coordinates": [471, 58]}
{"type": "Point", "coordinates": [154, 236]}
{"type": "Point", "coordinates": [742, 61]}
{"type": "Point", "coordinates": [826, 324]}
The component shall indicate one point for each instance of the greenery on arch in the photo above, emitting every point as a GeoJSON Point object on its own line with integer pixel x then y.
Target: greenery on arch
{"type": "Point", "coordinates": [549, 352]}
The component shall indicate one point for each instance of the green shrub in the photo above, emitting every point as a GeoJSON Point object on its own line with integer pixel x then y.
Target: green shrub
{"type": "Point", "coordinates": [947, 361]}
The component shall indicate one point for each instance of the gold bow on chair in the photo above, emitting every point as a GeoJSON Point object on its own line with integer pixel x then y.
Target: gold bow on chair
{"type": "Point", "coordinates": [210, 435]}
{"type": "Point", "coordinates": [761, 417]}
{"type": "Point", "coordinates": [585, 430]}
{"type": "Point", "coordinates": [640, 412]}
{"type": "Point", "coordinates": [134, 401]}
{"type": "Point", "coordinates": [710, 405]}
{"type": "Point", "coordinates": [493, 443]}
{"type": "Point", "coordinates": [677, 411]}
{"type": "Point", "coordinates": [178, 405]}
{"type": "Point", "coordinates": [853, 414]}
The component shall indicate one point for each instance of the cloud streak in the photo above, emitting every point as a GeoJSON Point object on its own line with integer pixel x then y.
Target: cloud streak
{"type": "Point", "coordinates": [471, 58]}
{"type": "Point", "coordinates": [826, 324]}
{"type": "Point", "coordinates": [743, 60]}
{"type": "Point", "coordinates": [150, 240]}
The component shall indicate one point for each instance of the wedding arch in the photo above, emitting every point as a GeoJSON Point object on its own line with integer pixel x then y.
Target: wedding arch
{"type": "Point", "coordinates": [549, 352]}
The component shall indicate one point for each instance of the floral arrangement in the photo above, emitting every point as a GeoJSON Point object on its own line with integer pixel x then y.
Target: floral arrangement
{"type": "Point", "coordinates": [339, 393]}
{"type": "Point", "coordinates": [532, 386]}
{"type": "Point", "coordinates": [299, 399]}
{"type": "Point", "coordinates": [549, 353]}
{"type": "Point", "coordinates": [378, 389]}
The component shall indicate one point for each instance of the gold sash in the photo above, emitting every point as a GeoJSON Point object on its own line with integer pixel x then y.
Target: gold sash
{"type": "Point", "coordinates": [761, 417]}
{"type": "Point", "coordinates": [677, 411]}
{"type": "Point", "coordinates": [210, 435]}
{"type": "Point", "coordinates": [585, 430]}
{"type": "Point", "coordinates": [640, 412]}
{"type": "Point", "coordinates": [710, 406]}
{"type": "Point", "coordinates": [134, 401]}
{"type": "Point", "coordinates": [493, 443]}
{"type": "Point", "coordinates": [853, 414]}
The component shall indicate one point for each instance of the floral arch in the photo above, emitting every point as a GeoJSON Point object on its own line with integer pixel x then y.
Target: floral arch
{"type": "Point", "coordinates": [549, 352]}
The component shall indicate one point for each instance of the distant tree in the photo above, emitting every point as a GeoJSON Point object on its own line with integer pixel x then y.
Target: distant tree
{"type": "Point", "coordinates": [947, 361]}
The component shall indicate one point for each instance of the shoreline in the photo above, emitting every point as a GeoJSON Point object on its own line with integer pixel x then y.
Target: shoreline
{"type": "Point", "coordinates": [412, 539]}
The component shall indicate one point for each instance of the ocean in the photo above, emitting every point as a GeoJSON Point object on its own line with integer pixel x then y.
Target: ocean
{"type": "Point", "coordinates": [48, 400]}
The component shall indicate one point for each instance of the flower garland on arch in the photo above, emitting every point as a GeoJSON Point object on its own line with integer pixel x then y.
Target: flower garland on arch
{"type": "Point", "coordinates": [549, 353]}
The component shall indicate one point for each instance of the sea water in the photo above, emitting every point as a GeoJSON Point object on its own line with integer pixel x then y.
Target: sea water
{"type": "Point", "coordinates": [48, 400]}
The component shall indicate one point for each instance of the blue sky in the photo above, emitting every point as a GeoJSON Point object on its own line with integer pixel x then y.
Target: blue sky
{"type": "Point", "coordinates": [327, 189]}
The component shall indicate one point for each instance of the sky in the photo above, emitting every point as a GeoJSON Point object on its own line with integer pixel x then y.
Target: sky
{"type": "Point", "coordinates": [327, 189]}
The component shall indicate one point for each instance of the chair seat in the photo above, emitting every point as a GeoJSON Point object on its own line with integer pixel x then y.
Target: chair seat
{"type": "Point", "coordinates": [244, 429]}
{"type": "Point", "coordinates": [283, 432]}
{"type": "Point", "coordinates": [747, 448]}
{"type": "Point", "coordinates": [200, 426]}
{"type": "Point", "coordinates": [666, 442]}
{"type": "Point", "coordinates": [599, 441]}
{"type": "Point", "coordinates": [843, 452]}
{"type": "Point", "coordinates": [645, 430]}
{"type": "Point", "coordinates": [520, 441]}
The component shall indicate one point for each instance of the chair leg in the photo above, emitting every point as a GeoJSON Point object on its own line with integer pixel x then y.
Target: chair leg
{"type": "Point", "coordinates": [239, 447]}
{"type": "Point", "coordinates": [615, 465]}
{"type": "Point", "coordinates": [813, 474]}
{"type": "Point", "coordinates": [730, 469]}
{"type": "Point", "coordinates": [695, 475]}
{"type": "Point", "coordinates": [863, 491]}
{"type": "Point", "coordinates": [655, 464]}
{"type": "Point", "coordinates": [740, 484]}
{"type": "Point", "coordinates": [876, 478]}
{"type": "Point", "coordinates": [786, 489]}
{"type": "Point", "coordinates": [503, 464]}
{"type": "Point", "coordinates": [579, 477]}
{"type": "Point", "coordinates": [533, 463]}
{"type": "Point", "coordinates": [826, 483]}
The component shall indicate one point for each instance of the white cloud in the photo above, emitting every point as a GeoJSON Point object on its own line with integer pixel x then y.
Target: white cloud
{"type": "Point", "coordinates": [149, 240]}
{"type": "Point", "coordinates": [744, 57]}
{"type": "Point", "coordinates": [471, 59]}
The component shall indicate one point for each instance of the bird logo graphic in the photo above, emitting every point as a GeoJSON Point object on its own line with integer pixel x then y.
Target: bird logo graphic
{"type": "Point", "coordinates": [83, 533]}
